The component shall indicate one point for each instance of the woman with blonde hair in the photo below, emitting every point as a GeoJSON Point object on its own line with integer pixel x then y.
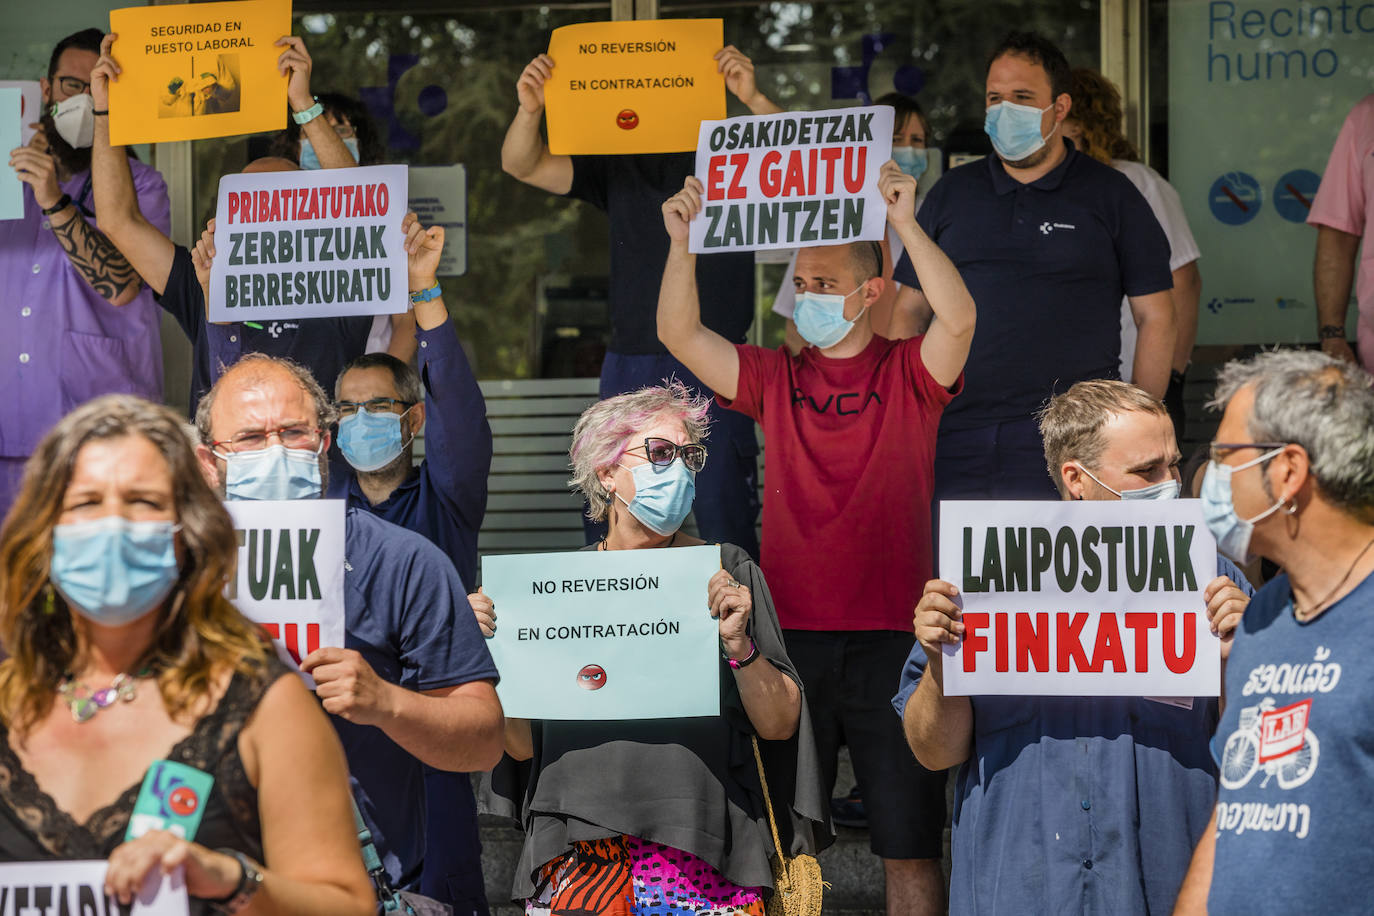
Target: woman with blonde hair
{"type": "Point", "coordinates": [125, 655]}
{"type": "Point", "coordinates": [639, 817]}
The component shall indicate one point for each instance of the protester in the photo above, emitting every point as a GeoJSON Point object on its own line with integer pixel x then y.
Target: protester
{"type": "Point", "coordinates": [383, 410]}
{"type": "Point", "coordinates": [684, 827]}
{"type": "Point", "coordinates": [393, 334]}
{"type": "Point", "coordinates": [65, 341]}
{"type": "Point", "coordinates": [1343, 213]}
{"type": "Point", "coordinates": [1292, 480]}
{"type": "Point", "coordinates": [850, 425]}
{"type": "Point", "coordinates": [630, 189]}
{"type": "Point", "coordinates": [120, 645]}
{"type": "Point", "coordinates": [1094, 126]}
{"type": "Point", "coordinates": [414, 682]}
{"type": "Point", "coordinates": [1048, 241]}
{"type": "Point", "coordinates": [180, 279]}
{"type": "Point", "coordinates": [910, 131]}
{"type": "Point", "coordinates": [1105, 795]}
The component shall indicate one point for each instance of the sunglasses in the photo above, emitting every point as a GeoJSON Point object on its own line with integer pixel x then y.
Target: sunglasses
{"type": "Point", "coordinates": [661, 453]}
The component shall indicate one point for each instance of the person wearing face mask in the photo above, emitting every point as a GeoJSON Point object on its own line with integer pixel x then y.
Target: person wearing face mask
{"type": "Point", "coordinates": [909, 150]}
{"type": "Point", "coordinates": [121, 646]}
{"type": "Point", "coordinates": [179, 277]}
{"type": "Point", "coordinates": [384, 403]}
{"type": "Point", "coordinates": [1106, 795]}
{"type": "Point", "coordinates": [1291, 479]}
{"type": "Point", "coordinates": [77, 321]}
{"type": "Point", "coordinates": [1048, 241]}
{"type": "Point", "coordinates": [413, 683]}
{"type": "Point", "coordinates": [850, 425]}
{"type": "Point", "coordinates": [659, 815]}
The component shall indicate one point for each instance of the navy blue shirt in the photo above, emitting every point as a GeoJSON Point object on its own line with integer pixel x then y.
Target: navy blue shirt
{"type": "Point", "coordinates": [407, 613]}
{"type": "Point", "coordinates": [1296, 749]}
{"type": "Point", "coordinates": [1078, 804]}
{"type": "Point", "coordinates": [632, 189]}
{"type": "Point", "coordinates": [1047, 264]}
{"type": "Point", "coordinates": [322, 345]}
{"type": "Point", "coordinates": [446, 499]}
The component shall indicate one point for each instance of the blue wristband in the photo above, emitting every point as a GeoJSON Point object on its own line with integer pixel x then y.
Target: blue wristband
{"type": "Point", "coordinates": [424, 295]}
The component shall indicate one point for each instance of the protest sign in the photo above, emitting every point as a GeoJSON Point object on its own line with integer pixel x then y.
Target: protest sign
{"type": "Point", "coordinates": [792, 180]}
{"type": "Point", "coordinates": [30, 107]}
{"type": "Point", "coordinates": [587, 635]}
{"type": "Point", "coordinates": [11, 188]}
{"type": "Point", "coordinates": [310, 244]}
{"type": "Point", "coordinates": [78, 888]}
{"type": "Point", "coordinates": [439, 197]}
{"type": "Point", "coordinates": [197, 70]}
{"type": "Point", "coordinates": [633, 86]}
{"type": "Point", "coordinates": [291, 572]}
{"type": "Point", "coordinates": [1080, 598]}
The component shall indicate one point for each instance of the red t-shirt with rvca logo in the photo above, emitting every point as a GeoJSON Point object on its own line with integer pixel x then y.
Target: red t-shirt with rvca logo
{"type": "Point", "coordinates": [849, 454]}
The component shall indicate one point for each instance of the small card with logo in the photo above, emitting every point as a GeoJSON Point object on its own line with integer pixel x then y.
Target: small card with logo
{"type": "Point", "coordinates": [172, 798]}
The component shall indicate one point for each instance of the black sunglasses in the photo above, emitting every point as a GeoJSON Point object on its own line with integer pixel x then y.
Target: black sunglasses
{"type": "Point", "coordinates": [661, 453]}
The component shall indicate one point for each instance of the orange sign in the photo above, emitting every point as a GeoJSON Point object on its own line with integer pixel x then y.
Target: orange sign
{"type": "Point", "coordinates": [633, 87]}
{"type": "Point", "coordinates": [197, 70]}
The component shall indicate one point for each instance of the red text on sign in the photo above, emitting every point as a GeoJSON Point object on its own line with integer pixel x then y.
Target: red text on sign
{"type": "Point", "coordinates": [290, 639]}
{"type": "Point", "coordinates": [1027, 642]}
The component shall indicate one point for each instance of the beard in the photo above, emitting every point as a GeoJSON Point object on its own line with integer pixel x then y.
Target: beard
{"type": "Point", "coordinates": [397, 468]}
{"type": "Point", "coordinates": [70, 160]}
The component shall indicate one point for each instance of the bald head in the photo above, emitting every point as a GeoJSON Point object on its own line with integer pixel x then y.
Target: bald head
{"type": "Point", "coordinates": [257, 385]}
{"type": "Point", "coordinates": [270, 164]}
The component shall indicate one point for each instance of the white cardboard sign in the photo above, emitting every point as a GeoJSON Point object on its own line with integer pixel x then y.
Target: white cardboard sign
{"type": "Point", "coordinates": [790, 180]}
{"type": "Point", "coordinates": [1080, 598]}
{"type": "Point", "coordinates": [78, 888]}
{"type": "Point", "coordinates": [291, 572]}
{"type": "Point", "coordinates": [322, 243]}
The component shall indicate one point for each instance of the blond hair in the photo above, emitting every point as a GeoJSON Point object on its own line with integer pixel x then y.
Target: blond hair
{"type": "Point", "coordinates": [1071, 423]}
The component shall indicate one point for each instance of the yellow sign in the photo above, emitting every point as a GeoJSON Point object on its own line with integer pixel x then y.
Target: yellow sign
{"type": "Point", "coordinates": [197, 70]}
{"type": "Point", "coordinates": [633, 87]}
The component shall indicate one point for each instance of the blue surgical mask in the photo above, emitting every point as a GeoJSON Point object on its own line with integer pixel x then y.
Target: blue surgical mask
{"type": "Point", "coordinates": [911, 160]}
{"type": "Point", "coordinates": [820, 318]}
{"type": "Point", "coordinates": [310, 161]}
{"type": "Point", "coordinates": [275, 472]}
{"type": "Point", "coordinates": [113, 571]}
{"type": "Point", "coordinates": [1219, 510]}
{"type": "Point", "coordinates": [1015, 129]}
{"type": "Point", "coordinates": [370, 441]}
{"type": "Point", "coordinates": [663, 496]}
{"type": "Point", "coordinates": [1165, 489]}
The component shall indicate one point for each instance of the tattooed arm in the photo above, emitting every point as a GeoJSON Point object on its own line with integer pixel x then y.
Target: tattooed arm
{"type": "Point", "coordinates": [95, 257]}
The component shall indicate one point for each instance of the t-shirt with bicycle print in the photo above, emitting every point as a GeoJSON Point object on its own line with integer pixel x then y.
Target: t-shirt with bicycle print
{"type": "Point", "coordinates": [1295, 754]}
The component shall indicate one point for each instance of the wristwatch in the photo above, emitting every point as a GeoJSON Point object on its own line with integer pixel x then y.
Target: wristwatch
{"type": "Point", "coordinates": [1325, 332]}
{"type": "Point", "coordinates": [310, 114]}
{"type": "Point", "coordinates": [250, 880]}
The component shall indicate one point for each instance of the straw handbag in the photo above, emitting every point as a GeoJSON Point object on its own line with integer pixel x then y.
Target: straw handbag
{"type": "Point", "coordinates": [797, 884]}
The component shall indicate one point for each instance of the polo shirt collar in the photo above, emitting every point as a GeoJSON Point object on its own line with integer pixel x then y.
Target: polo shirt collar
{"type": "Point", "coordinates": [356, 494]}
{"type": "Point", "coordinates": [1003, 183]}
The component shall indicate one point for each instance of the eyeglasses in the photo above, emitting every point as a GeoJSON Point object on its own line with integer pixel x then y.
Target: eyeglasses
{"type": "Point", "coordinates": [253, 440]}
{"type": "Point", "coordinates": [661, 453]}
{"type": "Point", "coordinates": [71, 85]}
{"type": "Point", "coordinates": [373, 405]}
{"type": "Point", "coordinates": [1216, 450]}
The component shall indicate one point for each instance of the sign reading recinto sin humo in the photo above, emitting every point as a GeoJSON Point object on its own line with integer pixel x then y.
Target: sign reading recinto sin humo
{"type": "Point", "coordinates": [1080, 598]}
{"type": "Point", "coordinates": [633, 87]}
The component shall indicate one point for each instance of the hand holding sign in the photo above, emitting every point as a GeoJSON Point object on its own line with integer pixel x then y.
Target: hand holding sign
{"type": "Point", "coordinates": [738, 71]}
{"type": "Point", "coordinates": [104, 72]}
{"type": "Point", "coordinates": [899, 191]}
{"type": "Point", "coordinates": [484, 609]}
{"type": "Point", "coordinates": [731, 603]}
{"type": "Point", "coordinates": [424, 248]}
{"type": "Point", "coordinates": [34, 165]}
{"type": "Point", "coordinates": [210, 875]}
{"type": "Point", "coordinates": [1226, 605]}
{"type": "Point", "coordinates": [203, 256]}
{"type": "Point", "coordinates": [295, 61]}
{"type": "Point", "coordinates": [936, 622]}
{"type": "Point", "coordinates": [529, 88]}
{"type": "Point", "coordinates": [680, 209]}
{"type": "Point", "coordinates": [347, 686]}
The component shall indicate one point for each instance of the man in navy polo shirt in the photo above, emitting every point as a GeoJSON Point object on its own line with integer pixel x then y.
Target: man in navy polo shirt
{"type": "Point", "coordinates": [1048, 241]}
{"type": "Point", "coordinates": [414, 683]}
{"type": "Point", "coordinates": [444, 499]}
{"type": "Point", "coordinates": [1074, 804]}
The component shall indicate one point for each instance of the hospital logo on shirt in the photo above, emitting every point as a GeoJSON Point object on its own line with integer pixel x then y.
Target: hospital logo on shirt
{"type": "Point", "coordinates": [1047, 227]}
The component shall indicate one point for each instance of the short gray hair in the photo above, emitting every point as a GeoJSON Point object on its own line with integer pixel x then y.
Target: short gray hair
{"type": "Point", "coordinates": [325, 412]}
{"type": "Point", "coordinates": [1324, 404]}
{"type": "Point", "coordinates": [604, 431]}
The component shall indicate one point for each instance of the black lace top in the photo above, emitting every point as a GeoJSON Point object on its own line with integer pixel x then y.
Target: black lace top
{"type": "Point", "coordinates": [34, 828]}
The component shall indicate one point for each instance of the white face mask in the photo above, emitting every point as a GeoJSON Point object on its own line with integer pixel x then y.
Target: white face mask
{"type": "Point", "coordinates": [74, 119]}
{"type": "Point", "coordinates": [1165, 489]}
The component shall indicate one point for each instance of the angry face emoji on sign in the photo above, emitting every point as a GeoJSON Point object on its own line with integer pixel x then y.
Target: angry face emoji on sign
{"type": "Point", "coordinates": [627, 119]}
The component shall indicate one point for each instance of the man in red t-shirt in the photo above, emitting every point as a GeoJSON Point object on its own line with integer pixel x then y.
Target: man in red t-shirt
{"type": "Point", "coordinates": [849, 424]}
